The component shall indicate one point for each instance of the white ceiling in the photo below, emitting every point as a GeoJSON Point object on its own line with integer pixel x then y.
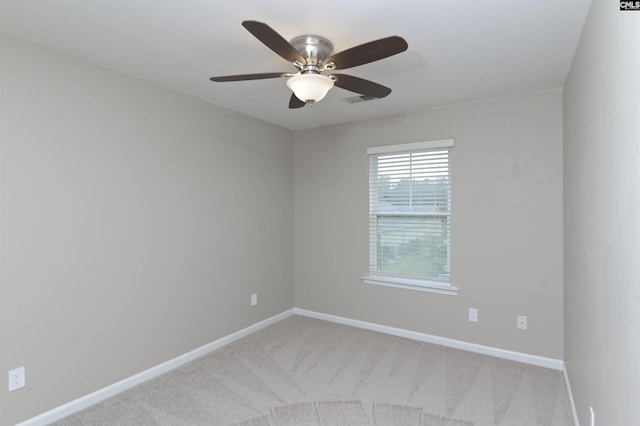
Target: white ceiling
{"type": "Point", "coordinates": [459, 51]}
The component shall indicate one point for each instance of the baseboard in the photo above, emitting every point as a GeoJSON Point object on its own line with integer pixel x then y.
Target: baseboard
{"type": "Point", "coordinates": [540, 361]}
{"type": "Point", "coordinates": [153, 372]}
{"type": "Point", "coordinates": [571, 401]}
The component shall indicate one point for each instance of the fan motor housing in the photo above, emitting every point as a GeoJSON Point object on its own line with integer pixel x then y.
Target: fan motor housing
{"type": "Point", "coordinates": [314, 48]}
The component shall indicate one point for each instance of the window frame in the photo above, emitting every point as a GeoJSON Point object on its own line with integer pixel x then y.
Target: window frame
{"type": "Point", "coordinates": [397, 281]}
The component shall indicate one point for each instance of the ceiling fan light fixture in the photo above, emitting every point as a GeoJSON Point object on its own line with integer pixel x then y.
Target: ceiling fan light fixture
{"type": "Point", "coordinates": [312, 55]}
{"type": "Point", "coordinates": [310, 87]}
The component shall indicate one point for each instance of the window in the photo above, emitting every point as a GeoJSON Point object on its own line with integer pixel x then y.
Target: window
{"type": "Point", "coordinates": [410, 216]}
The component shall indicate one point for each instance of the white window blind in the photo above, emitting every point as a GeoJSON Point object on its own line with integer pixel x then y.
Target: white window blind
{"type": "Point", "coordinates": [410, 212]}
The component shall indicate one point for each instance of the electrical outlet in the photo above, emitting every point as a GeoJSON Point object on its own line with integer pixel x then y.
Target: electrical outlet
{"type": "Point", "coordinates": [473, 314]}
{"type": "Point", "coordinates": [254, 299]}
{"type": "Point", "coordinates": [522, 322]}
{"type": "Point", "coordinates": [16, 379]}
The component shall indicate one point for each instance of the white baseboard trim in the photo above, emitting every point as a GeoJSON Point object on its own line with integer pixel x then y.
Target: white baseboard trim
{"type": "Point", "coordinates": [153, 372]}
{"type": "Point", "coordinates": [576, 420]}
{"type": "Point", "coordinates": [555, 364]}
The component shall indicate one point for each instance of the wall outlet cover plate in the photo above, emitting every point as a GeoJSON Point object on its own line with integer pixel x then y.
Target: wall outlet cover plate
{"type": "Point", "coordinates": [16, 379]}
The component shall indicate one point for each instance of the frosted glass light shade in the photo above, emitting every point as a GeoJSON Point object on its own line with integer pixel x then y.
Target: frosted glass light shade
{"type": "Point", "coordinates": [310, 87]}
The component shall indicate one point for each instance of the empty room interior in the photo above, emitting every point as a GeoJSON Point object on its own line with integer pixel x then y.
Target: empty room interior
{"type": "Point", "coordinates": [165, 220]}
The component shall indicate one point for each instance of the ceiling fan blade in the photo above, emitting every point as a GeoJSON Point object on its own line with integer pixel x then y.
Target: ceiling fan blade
{"type": "Point", "coordinates": [368, 52]}
{"type": "Point", "coordinates": [242, 77]}
{"type": "Point", "coordinates": [294, 102]}
{"type": "Point", "coordinates": [273, 41]}
{"type": "Point", "coordinates": [360, 85]}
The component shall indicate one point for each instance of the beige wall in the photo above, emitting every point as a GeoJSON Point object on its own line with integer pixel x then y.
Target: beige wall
{"type": "Point", "coordinates": [135, 224]}
{"type": "Point", "coordinates": [507, 223]}
{"type": "Point", "coordinates": [602, 217]}
{"type": "Point", "coordinates": [129, 214]}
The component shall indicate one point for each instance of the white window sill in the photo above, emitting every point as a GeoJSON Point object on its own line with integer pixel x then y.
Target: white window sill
{"type": "Point", "coordinates": [411, 284]}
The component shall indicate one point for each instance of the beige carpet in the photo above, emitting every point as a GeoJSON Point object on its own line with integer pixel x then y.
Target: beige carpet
{"type": "Point", "coordinates": [303, 371]}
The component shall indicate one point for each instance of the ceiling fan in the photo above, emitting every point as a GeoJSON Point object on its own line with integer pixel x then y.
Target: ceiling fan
{"type": "Point", "coordinates": [312, 55]}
